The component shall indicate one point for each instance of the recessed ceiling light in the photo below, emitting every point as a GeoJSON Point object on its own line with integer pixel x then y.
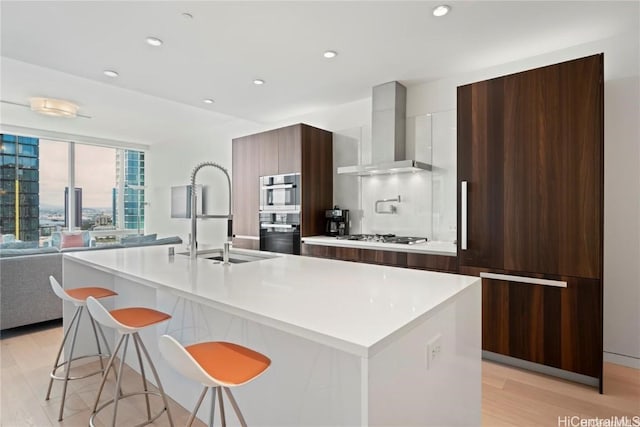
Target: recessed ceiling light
{"type": "Point", "coordinates": [330, 54]}
{"type": "Point", "coordinates": [441, 10]}
{"type": "Point", "coordinates": [110, 73]}
{"type": "Point", "coordinates": [154, 41]}
{"type": "Point", "coordinates": [258, 82]}
{"type": "Point", "coordinates": [208, 101]}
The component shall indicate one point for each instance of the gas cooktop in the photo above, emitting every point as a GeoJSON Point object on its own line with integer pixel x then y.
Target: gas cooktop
{"type": "Point", "coordinates": [384, 238]}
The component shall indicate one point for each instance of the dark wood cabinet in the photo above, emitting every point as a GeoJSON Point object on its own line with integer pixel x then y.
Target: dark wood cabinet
{"type": "Point", "coordinates": [290, 148]}
{"type": "Point", "coordinates": [298, 148]}
{"type": "Point", "coordinates": [245, 187]}
{"type": "Point", "coordinates": [562, 325]}
{"type": "Point", "coordinates": [442, 263]}
{"type": "Point", "coordinates": [267, 144]}
{"type": "Point", "coordinates": [530, 148]}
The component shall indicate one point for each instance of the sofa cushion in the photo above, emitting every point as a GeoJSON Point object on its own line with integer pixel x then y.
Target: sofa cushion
{"type": "Point", "coordinates": [174, 240]}
{"type": "Point", "coordinates": [136, 240]}
{"type": "Point", "coordinates": [19, 245]}
{"type": "Point", "coordinates": [7, 238]}
{"type": "Point", "coordinates": [6, 253]}
{"type": "Point", "coordinates": [92, 248]}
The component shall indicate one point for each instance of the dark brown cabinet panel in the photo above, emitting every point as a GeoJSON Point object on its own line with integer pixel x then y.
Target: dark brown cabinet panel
{"type": "Point", "coordinates": [267, 144]}
{"type": "Point", "coordinates": [245, 186]}
{"type": "Point", "coordinates": [530, 147]}
{"type": "Point", "coordinates": [289, 149]}
{"type": "Point", "coordinates": [553, 169]}
{"type": "Point", "coordinates": [293, 149]}
{"type": "Point", "coordinates": [317, 179]}
{"type": "Point", "coordinates": [480, 159]}
{"type": "Point", "coordinates": [563, 325]}
{"type": "Point", "coordinates": [446, 264]}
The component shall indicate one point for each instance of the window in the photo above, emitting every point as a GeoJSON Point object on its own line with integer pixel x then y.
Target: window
{"type": "Point", "coordinates": [36, 176]}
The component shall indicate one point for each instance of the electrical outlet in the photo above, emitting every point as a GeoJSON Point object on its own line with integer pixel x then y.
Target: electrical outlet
{"type": "Point", "coordinates": [434, 351]}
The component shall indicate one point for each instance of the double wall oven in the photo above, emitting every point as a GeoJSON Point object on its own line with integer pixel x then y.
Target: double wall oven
{"type": "Point", "coordinates": [279, 215]}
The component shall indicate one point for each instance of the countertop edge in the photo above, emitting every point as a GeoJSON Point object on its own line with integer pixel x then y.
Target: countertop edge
{"type": "Point", "coordinates": [327, 241]}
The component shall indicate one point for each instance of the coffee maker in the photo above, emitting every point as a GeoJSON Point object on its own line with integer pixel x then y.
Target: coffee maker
{"type": "Point", "coordinates": [337, 222]}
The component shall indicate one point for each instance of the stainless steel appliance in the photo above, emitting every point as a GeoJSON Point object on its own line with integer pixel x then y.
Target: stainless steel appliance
{"type": "Point", "coordinates": [280, 193]}
{"type": "Point", "coordinates": [385, 238]}
{"type": "Point", "coordinates": [337, 222]}
{"type": "Point", "coordinates": [280, 232]}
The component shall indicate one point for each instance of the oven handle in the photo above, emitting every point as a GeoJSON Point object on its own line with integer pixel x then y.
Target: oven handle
{"type": "Point", "coordinates": [277, 186]}
{"type": "Point", "coordinates": [270, 225]}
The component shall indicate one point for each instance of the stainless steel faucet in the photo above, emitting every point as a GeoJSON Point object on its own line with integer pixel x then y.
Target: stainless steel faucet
{"type": "Point", "coordinates": [193, 243]}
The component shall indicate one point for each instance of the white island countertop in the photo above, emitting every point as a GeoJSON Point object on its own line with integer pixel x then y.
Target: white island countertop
{"type": "Point", "coordinates": [354, 307]}
{"type": "Point", "coordinates": [429, 248]}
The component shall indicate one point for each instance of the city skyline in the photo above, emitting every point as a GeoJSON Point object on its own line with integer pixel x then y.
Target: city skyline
{"type": "Point", "coordinates": [95, 166]}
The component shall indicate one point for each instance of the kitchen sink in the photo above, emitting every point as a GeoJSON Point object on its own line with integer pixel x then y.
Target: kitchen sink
{"type": "Point", "coordinates": [235, 257]}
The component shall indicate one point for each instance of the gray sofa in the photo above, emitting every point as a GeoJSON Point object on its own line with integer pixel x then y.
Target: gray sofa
{"type": "Point", "coordinates": [25, 293]}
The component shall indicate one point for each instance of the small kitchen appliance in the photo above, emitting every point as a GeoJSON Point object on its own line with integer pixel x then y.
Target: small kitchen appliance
{"type": "Point", "coordinates": [337, 222]}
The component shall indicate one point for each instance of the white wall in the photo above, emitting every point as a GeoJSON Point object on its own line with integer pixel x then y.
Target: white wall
{"type": "Point", "coordinates": [170, 165]}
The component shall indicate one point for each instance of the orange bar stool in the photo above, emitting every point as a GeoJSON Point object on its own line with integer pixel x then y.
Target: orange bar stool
{"type": "Point", "coordinates": [77, 297]}
{"type": "Point", "coordinates": [128, 321]}
{"type": "Point", "coordinates": [217, 366]}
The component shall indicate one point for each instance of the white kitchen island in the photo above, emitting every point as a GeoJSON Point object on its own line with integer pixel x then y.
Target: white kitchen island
{"type": "Point", "coordinates": [348, 342]}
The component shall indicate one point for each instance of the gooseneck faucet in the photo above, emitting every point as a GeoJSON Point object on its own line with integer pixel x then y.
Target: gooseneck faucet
{"type": "Point", "coordinates": [194, 213]}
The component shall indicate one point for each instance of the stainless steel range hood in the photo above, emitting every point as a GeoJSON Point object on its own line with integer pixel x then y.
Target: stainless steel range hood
{"type": "Point", "coordinates": [388, 135]}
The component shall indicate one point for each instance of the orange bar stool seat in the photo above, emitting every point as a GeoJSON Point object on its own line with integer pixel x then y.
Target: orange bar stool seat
{"type": "Point", "coordinates": [218, 366]}
{"type": "Point", "coordinates": [77, 297]}
{"type": "Point", "coordinates": [128, 322]}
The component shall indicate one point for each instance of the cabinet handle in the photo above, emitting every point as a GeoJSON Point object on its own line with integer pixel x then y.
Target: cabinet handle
{"type": "Point", "coordinates": [524, 279]}
{"type": "Point", "coordinates": [277, 186]}
{"type": "Point", "coordinates": [463, 215]}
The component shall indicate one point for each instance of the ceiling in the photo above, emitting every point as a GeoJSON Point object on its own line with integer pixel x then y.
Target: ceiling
{"type": "Point", "coordinates": [226, 45]}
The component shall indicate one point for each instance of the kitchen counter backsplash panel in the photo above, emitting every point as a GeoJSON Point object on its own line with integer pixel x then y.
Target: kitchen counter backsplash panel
{"type": "Point", "coordinates": [413, 212]}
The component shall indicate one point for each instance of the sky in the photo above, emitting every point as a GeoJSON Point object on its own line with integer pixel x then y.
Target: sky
{"type": "Point", "coordinates": [95, 173]}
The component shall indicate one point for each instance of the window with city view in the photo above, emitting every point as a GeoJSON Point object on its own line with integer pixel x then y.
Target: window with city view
{"type": "Point", "coordinates": [35, 180]}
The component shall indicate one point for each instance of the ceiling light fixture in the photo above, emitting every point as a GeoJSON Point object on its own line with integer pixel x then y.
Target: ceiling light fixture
{"type": "Point", "coordinates": [154, 41]}
{"type": "Point", "coordinates": [53, 107]}
{"type": "Point", "coordinates": [330, 54]}
{"type": "Point", "coordinates": [111, 73]}
{"type": "Point", "coordinates": [208, 101]}
{"type": "Point", "coordinates": [258, 82]}
{"type": "Point", "coordinates": [441, 10]}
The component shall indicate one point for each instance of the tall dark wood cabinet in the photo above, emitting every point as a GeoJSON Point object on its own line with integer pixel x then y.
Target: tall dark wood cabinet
{"type": "Point", "coordinates": [298, 148]}
{"type": "Point", "coordinates": [530, 152]}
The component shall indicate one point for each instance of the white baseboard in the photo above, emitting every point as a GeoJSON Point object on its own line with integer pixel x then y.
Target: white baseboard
{"type": "Point", "coordinates": [620, 359]}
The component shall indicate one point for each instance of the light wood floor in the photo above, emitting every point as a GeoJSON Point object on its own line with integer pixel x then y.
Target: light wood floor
{"type": "Point", "coordinates": [510, 397]}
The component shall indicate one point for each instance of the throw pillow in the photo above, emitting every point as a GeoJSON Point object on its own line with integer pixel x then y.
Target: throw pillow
{"type": "Point", "coordinates": [72, 241]}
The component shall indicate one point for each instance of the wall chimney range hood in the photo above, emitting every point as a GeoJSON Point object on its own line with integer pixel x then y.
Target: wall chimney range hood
{"type": "Point", "coordinates": [388, 135]}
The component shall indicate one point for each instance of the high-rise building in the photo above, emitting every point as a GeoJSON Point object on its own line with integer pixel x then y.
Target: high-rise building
{"type": "Point", "coordinates": [77, 209]}
{"type": "Point", "coordinates": [19, 187]}
{"type": "Point", "coordinates": [130, 177]}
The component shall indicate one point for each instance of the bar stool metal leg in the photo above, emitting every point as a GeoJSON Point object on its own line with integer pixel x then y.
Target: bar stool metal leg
{"type": "Point", "coordinates": [104, 377]}
{"type": "Point", "coordinates": [192, 417]}
{"type": "Point", "coordinates": [236, 408]}
{"type": "Point", "coordinates": [212, 412]}
{"type": "Point", "coordinates": [117, 396]}
{"type": "Point", "coordinates": [64, 340]}
{"type": "Point", "coordinates": [136, 336]}
{"type": "Point", "coordinates": [144, 379]}
{"type": "Point", "coordinates": [221, 403]}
